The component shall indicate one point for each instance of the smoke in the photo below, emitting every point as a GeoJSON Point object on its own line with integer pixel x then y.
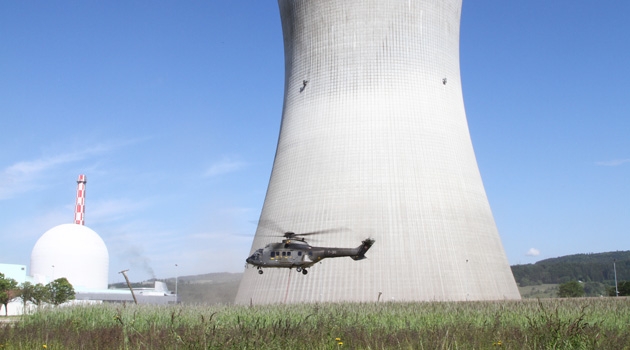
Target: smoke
{"type": "Point", "coordinates": [137, 260]}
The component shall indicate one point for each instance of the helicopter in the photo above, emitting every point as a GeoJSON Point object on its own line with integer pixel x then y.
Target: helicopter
{"type": "Point", "coordinates": [294, 251]}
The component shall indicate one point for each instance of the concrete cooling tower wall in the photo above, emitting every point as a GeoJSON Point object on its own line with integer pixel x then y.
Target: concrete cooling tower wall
{"type": "Point", "coordinates": [374, 142]}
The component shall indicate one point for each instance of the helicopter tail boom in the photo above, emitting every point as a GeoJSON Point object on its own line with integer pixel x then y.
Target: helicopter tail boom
{"type": "Point", "coordinates": [362, 249]}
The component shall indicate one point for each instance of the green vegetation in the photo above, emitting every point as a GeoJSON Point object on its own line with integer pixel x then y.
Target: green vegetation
{"type": "Point", "coordinates": [571, 289]}
{"type": "Point", "coordinates": [591, 289]}
{"type": "Point", "coordinates": [595, 323]}
{"type": "Point", "coordinates": [541, 291]}
{"type": "Point", "coordinates": [60, 291]}
{"type": "Point", "coordinates": [622, 287]}
{"type": "Point", "coordinates": [8, 291]}
{"type": "Point", "coordinates": [56, 292]}
{"type": "Point", "coordinates": [37, 294]}
{"type": "Point", "coordinates": [593, 268]}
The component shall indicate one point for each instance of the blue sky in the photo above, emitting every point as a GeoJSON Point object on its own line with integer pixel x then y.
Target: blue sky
{"type": "Point", "coordinates": [172, 110]}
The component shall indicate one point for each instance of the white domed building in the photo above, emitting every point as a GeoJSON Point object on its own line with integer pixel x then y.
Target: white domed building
{"type": "Point", "coordinates": [72, 251]}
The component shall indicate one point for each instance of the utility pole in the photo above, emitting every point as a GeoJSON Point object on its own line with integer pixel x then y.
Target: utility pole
{"type": "Point", "coordinates": [129, 285]}
{"type": "Point", "coordinates": [615, 269]}
{"type": "Point", "coordinates": [176, 277]}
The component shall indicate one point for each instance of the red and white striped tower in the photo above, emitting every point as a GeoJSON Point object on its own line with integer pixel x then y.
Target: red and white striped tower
{"type": "Point", "coordinates": [79, 211]}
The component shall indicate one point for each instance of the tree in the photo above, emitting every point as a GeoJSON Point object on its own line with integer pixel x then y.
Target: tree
{"type": "Point", "coordinates": [60, 291]}
{"type": "Point", "coordinates": [41, 294]}
{"type": "Point", "coordinates": [8, 292]}
{"type": "Point", "coordinates": [594, 289]}
{"type": "Point", "coordinates": [623, 287]}
{"type": "Point", "coordinates": [571, 289]}
{"type": "Point", "coordinates": [26, 293]}
{"type": "Point", "coordinates": [34, 293]}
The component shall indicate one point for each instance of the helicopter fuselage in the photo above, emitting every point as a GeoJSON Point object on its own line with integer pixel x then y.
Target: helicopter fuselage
{"type": "Point", "coordinates": [296, 253]}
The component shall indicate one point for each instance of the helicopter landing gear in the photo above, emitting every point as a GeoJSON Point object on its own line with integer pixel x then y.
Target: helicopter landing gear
{"type": "Point", "coordinates": [298, 269]}
{"type": "Point", "coordinates": [304, 272]}
{"type": "Point", "coordinates": [260, 271]}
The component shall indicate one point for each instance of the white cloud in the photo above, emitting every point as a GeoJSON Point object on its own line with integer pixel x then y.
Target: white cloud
{"type": "Point", "coordinates": [533, 252]}
{"type": "Point", "coordinates": [223, 167]}
{"type": "Point", "coordinates": [21, 177]}
{"type": "Point", "coordinates": [614, 162]}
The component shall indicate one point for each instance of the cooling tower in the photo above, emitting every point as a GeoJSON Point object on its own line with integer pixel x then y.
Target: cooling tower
{"type": "Point", "coordinates": [374, 142]}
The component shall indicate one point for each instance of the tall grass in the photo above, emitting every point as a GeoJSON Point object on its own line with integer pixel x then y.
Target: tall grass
{"type": "Point", "coordinates": [602, 323]}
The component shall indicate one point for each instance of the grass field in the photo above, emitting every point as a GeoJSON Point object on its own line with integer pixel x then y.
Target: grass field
{"type": "Point", "coordinates": [589, 323]}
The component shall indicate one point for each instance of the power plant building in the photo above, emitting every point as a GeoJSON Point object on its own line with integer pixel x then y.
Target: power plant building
{"type": "Point", "coordinates": [374, 142]}
{"type": "Point", "coordinates": [79, 254]}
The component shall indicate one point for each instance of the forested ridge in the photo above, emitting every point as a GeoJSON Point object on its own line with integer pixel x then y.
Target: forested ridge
{"type": "Point", "coordinates": [595, 267]}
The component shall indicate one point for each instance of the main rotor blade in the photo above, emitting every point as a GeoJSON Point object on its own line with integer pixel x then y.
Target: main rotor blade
{"type": "Point", "coordinates": [273, 226]}
{"type": "Point", "coordinates": [330, 230]}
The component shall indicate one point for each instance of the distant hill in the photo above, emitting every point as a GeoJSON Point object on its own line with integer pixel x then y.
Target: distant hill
{"type": "Point", "coordinates": [596, 267]}
{"type": "Point", "coordinates": [604, 258]}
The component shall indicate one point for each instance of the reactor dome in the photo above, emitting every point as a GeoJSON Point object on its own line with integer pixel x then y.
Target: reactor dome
{"type": "Point", "coordinates": [72, 251]}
